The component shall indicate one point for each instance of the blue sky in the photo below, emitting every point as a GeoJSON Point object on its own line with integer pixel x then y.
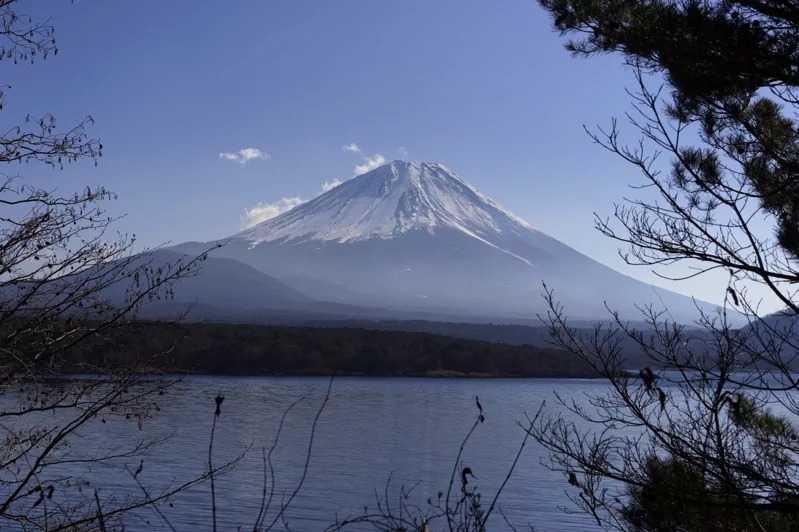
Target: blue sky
{"type": "Point", "coordinates": [484, 87]}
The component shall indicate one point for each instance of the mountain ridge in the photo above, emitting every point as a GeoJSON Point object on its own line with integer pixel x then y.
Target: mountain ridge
{"type": "Point", "coordinates": [410, 235]}
{"type": "Point", "coordinates": [421, 196]}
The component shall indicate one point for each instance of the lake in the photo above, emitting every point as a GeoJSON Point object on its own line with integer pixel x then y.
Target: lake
{"type": "Point", "coordinates": [372, 430]}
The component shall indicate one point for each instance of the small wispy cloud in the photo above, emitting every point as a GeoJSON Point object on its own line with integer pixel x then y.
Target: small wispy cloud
{"type": "Point", "coordinates": [351, 147]}
{"type": "Point", "coordinates": [370, 163]}
{"type": "Point", "coordinates": [266, 211]}
{"type": "Point", "coordinates": [402, 151]}
{"type": "Point", "coordinates": [330, 185]}
{"type": "Point", "coordinates": [245, 155]}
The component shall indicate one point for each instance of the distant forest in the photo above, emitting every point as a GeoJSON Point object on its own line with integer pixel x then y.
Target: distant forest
{"type": "Point", "coordinates": [514, 334]}
{"type": "Point", "coordinates": [238, 349]}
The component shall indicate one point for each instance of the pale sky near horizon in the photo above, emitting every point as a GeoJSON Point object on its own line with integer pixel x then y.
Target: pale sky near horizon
{"type": "Point", "coordinates": [207, 110]}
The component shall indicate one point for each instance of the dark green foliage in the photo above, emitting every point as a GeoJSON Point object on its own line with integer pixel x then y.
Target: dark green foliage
{"type": "Point", "coordinates": [675, 496]}
{"type": "Point", "coordinates": [277, 350]}
{"type": "Point", "coordinates": [683, 493]}
{"type": "Point", "coordinates": [746, 414]}
{"type": "Point", "coordinates": [733, 67]}
{"type": "Point", "coordinates": [708, 49]}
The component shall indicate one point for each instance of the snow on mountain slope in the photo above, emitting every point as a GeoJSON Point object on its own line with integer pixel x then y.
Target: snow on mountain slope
{"type": "Point", "coordinates": [415, 235]}
{"type": "Point", "coordinates": [392, 200]}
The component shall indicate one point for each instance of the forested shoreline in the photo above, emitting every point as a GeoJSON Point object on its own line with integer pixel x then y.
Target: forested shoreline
{"type": "Point", "coordinates": [228, 349]}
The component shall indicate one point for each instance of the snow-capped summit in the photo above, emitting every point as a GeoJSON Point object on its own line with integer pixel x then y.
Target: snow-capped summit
{"type": "Point", "coordinates": [389, 201]}
{"type": "Point", "coordinates": [415, 235]}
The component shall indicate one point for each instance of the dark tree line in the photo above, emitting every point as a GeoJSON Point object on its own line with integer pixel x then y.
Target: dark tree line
{"type": "Point", "coordinates": [282, 350]}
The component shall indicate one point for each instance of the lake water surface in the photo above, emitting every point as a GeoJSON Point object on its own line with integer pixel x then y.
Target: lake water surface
{"type": "Point", "coordinates": [372, 430]}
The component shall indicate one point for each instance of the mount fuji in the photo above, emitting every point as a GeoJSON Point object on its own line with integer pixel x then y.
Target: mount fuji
{"type": "Point", "coordinates": [416, 237]}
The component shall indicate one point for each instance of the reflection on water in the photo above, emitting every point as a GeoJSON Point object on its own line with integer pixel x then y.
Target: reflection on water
{"type": "Point", "coordinates": [408, 430]}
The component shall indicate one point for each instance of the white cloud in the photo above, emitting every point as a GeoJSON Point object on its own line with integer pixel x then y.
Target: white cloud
{"type": "Point", "coordinates": [265, 211]}
{"type": "Point", "coordinates": [351, 147]}
{"type": "Point", "coordinates": [370, 163]}
{"type": "Point", "coordinates": [245, 155]}
{"type": "Point", "coordinates": [329, 185]}
{"type": "Point", "coordinates": [402, 151]}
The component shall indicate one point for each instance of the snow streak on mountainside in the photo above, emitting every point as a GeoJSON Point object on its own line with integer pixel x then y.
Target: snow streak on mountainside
{"type": "Point", "coordinates": [393, 200]}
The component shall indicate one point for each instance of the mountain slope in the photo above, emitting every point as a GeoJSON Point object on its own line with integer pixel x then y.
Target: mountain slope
{"type": "Point", "coordinates": [397, 199]}
{"type": "Point", "coordinates": [221, 282]}
{"type": "Point", "coordinates": [227, 290]}
{"type": "Point", "coordinates": [417, 236]}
